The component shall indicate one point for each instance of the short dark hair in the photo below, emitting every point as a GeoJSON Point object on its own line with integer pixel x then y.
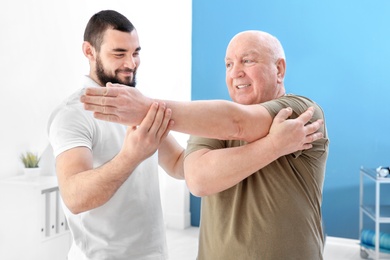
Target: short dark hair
{"type": "Point", "coordinates": [103, 20]}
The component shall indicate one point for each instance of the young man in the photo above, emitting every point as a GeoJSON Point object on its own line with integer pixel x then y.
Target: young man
{"type": "Point", "coordinates": [108, 173]}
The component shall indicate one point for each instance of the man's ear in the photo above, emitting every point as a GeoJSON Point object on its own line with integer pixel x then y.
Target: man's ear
{"type": "Point", "coordinates": [89, 51]}
{"type": "Point", "coordinates": [281, 67]}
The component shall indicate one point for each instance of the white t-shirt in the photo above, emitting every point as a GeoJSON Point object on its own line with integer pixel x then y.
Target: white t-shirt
{"type": "Point", "coordinates": [130, 225]}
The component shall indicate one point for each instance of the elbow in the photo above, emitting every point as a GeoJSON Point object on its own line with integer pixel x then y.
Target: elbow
{"type": "Point", "coordinates": [75, 211]}
{"type": "Point", "coordinates": [246, 135]}
{"type": "Point", "coordinates": [197, 174]}
{"type": "Point", "coordinates": [240, 133]}
{"type": "Point", "coordinates": [74, 206]}
{"type": "Point", "coordinates": [197, 190]}
{"type": "Point", "coordinates": [197, 185]}
{"type": "Point", "coordinates": [237, 132]}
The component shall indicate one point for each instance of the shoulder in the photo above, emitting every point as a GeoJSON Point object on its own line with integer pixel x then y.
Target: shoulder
{"type": "Point", "coordinates": [299, 104]}
{"type": "Point", "coordinates": [289, 100]}
{"type": "Point", "coordinates": [70, 113]}
{"type": "Point", "coordinates": [196, 143]}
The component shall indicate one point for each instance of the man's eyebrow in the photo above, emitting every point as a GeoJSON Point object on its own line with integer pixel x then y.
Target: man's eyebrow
{"type": "Point", "coordinates": [250, 53]}
{"type": "Point", "coordinates": [246, 54]}
{"type": "Point", "coordinates": [119, 50]}
{"type": "Point", "coordinates": [124, 50]}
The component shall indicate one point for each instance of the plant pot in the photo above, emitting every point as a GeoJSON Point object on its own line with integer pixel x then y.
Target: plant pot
{"type": "Point", "coordinates": [32, 173]}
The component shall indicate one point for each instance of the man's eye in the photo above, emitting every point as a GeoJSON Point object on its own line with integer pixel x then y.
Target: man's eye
{"type": "Point", "coordinates": [247, 61]}
{"type": "Point", "coordinates": [228, 65]}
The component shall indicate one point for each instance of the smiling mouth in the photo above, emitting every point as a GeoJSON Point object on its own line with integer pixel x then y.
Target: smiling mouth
{"type": "Point", "coordinates": [126, 73]}
{"type": "Point", "coordinates": [242, 86]}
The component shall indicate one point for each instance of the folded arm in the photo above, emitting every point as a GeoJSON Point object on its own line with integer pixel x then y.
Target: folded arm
{"type": "Point", "coordinates": [211, 171]}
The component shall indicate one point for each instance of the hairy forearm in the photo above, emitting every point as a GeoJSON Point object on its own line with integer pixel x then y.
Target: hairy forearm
{"type": "Point", "coordinates": [92, 188]}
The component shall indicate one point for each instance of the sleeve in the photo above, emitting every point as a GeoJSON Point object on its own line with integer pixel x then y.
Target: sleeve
{"type": "Point", "coordinates": [196, 143]}
{"type": "Point", "coordinates": [69, 128]}
{"type": "Point", "coordinates": [300, 104]}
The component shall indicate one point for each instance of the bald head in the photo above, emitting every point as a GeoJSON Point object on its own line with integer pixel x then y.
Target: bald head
{"type": "Point", "coordinates": [262, 41]}
{"type": "Point", "coordinates": [255, 67]}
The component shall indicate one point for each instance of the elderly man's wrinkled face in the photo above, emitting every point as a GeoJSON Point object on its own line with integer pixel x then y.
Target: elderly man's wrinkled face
{"type": "Point", "coordinates": [251, 72]}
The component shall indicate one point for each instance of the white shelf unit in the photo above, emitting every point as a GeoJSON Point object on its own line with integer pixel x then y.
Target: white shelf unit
{"type": "Point", "coordinates": [32, 223]}
{"type": "Point", "coordinates": [378, 212]}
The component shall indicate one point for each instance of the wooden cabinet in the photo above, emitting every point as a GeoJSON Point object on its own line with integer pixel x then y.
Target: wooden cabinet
{"type": "Point", "coordinates": [32, 223]}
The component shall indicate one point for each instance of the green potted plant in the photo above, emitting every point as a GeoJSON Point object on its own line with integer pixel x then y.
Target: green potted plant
{"type": "Point", "coordinates": [30, 161]}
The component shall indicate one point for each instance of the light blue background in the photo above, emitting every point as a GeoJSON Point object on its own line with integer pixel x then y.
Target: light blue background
{"type": "Point", "coordinates": [338, 55]}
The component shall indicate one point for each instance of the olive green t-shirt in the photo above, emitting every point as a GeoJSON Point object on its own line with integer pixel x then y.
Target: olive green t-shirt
{"type": "Point", "coordinates": [274, 214]}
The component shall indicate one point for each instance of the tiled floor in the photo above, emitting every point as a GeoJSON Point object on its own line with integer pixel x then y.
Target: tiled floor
{"type": "Point", "coordinates": [182, 245]}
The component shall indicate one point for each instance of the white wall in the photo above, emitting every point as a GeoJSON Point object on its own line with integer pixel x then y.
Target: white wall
{"type": "Point", "coordinates": [41, 62]}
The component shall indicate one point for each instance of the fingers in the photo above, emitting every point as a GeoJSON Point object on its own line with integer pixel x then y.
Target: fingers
{"type": "Point", "coordinates": [307, 115]}
{"type": "Point", "coordinates": [97, 103]}
{"type": "Point", "coordinates": [96, 91]}
{"type": "Point", "coordinates": [147, 122]}
{"type": "Point", "coordinates": [110, 118]}
{"type": "Point", "coordinates": [101, 109]}
{"type": "Point", "coordinates": [166, 126]}
{"type": "Point", "coordinates": [161, 121]}
{"type": "Point", "coordinates": [156, 121]}
{"type": "Point", "coordinates": [295, 134]}
{"type": "Point", "coordinates": [109, 84]}
{"type": "Point", "coordinates": [314, 137]}
{"type": "Point", "coordinates": [310, 139]}
{"type": "Point", "coordinates": [103, 96]}
{"type": "Point", "coordinates": [283, 114]}
{"type": "Point", "coordinates": [306, 146]}
{"type": "Point", "coordinates": [314, 127]}
{"type": "Point", "coordinates": [111, 90]}
{"type": "Point", "coordinates": [312, 130]}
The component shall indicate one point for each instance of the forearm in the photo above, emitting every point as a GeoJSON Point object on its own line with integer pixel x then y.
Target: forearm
{"type": "Point", "coordinates": [220, 119]}
{"type": "Point", "coordinates": [213, 118]}
{"type": "Point", "coordinates": [171, 157]}
{"type": "Point", "coordinates": [211, 171]}
{"type": "Point", "coordinates": [92, 188]}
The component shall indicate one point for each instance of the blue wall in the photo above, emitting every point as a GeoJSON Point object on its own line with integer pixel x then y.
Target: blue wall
{"type": "Point", "coordinates": [337, 54]}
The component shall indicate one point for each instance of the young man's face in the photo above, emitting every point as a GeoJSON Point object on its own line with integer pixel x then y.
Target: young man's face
{"type": "Point", "coordinates": [118, 59]}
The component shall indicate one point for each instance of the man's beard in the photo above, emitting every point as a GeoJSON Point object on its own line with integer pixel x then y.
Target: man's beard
{"type": "Point", "coordinates": [104, 78]}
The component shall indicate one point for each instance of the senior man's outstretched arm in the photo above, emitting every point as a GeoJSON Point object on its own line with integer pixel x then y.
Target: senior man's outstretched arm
{"type": "Point", "coordinates": [209, 118]}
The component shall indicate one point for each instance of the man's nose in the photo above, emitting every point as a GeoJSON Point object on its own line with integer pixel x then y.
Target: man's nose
{"type": "Point", "coordinates": [236, 71]}
{"type": "Point", "coordinates": [131, 63]}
